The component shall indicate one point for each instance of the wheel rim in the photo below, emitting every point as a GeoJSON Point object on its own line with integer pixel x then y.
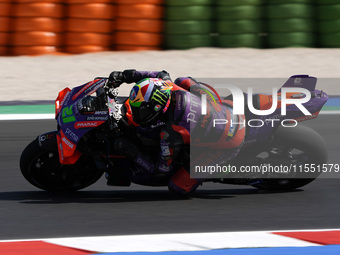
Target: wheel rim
{"type": "Point", "coordinates": [46, 172]}
{"type": "Point", "coordinates": [285, 156]}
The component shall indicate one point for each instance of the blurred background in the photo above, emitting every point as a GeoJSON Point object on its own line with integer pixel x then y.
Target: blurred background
{"type": "Point", "coordinates": [36, 27]}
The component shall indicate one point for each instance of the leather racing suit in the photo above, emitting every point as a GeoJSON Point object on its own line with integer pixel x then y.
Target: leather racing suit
{"type": "Point", "coordinates": [184, 126]}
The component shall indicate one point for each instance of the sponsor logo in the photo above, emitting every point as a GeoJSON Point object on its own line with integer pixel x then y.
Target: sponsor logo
{"type": "Point", "coordinates": [165, 150]}
{"type": "Point", "coordinates": [250, 141]}
{"type": "Point", "coordinates": [68, 115]}
{"type": "Point", "coordinates": [66, 98]}
{"type": "Point", "coordinates": [195, 104]}
{"type": "Point", "coordinates": [142, 163]}
{"type": "Point", "coordinates": [158, 124]}
{"type": "Point", "coordinates": [91, 86]}
{"type": "Point", "coordinates": [298, 81]}
{"type": "Point", "coordinates": [59, 120]}
{"type": "Point", "coordinates": [101, 112]}
{"type": "Point", "coordinates": [159, 97]}
{"type": "Point", "coordinates": [68, 143]}
{"type": "Point", "coordinates": [157, 108]}
{"type": "Point", "coordinates": [87, 124]}
{"type": "Point", "coordinates": [83, 89]}
{"type": "Point", "coordinates": [80, 104]}
{"type": "Point", "coordinates": [104, 118]}
{"type": "Point", "coordinates": [44, 137]}
{"type": "Point", "coordinates": [94, 87]}
{"type": "Point", "coordinates": [71, 134]}
{"type": "Point", "coordinates": [314, 115]}
{"type": "Point", "coordinates": [156, 81]}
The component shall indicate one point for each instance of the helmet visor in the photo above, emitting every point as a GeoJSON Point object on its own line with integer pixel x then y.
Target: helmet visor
{"type": "Point", "coordinates": [143, 115]}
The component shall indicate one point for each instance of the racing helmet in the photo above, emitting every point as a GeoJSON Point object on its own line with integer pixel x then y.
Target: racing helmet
{"type": "Point", "coordinates": [149, 99]}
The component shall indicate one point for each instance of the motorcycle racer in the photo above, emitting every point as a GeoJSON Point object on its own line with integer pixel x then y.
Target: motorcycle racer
{"type": "Point", "coordinates": [174, 109]}
{"type": "Point", "coordinates": [172, 133]}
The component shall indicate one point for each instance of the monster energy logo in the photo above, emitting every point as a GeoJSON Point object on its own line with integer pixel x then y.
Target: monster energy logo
{"type": "Point", "coordinates": [159, 97]}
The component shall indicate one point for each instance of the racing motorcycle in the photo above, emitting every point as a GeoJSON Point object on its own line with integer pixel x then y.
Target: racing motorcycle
{"type": "Point", "coordinates": [89, 117]}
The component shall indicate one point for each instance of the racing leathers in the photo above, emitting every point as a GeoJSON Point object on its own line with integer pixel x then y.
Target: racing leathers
{"type": "Point", "coordinates": [183, 127]}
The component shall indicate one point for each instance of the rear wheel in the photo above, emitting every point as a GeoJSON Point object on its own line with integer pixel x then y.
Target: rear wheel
{"type": "Point", "coordinates": [293, 147]}
{"type": "Point", "coordinates": [41, 167]}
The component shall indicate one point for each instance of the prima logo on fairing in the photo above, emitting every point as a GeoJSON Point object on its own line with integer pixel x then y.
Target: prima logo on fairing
{"type": "Point", "coordinates": [71, 134]}
{"type": "Point", "coordinates": [194, 106]}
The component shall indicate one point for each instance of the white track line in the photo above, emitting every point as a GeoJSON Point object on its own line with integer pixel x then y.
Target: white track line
{"type": "Point", "coordinates": [46, 116]}
{"type": "Point", "coordinates": [50, 116]}
{"type": "Point", "coordinates": [329, 112]}
{"type": "Point", "coordinates": [181, 242]}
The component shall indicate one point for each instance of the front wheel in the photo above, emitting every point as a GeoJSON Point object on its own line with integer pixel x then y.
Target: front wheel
{"type": "Point", "coordinates": [41, 167]}
{"type": "Point", "coordinates": [297, 148]}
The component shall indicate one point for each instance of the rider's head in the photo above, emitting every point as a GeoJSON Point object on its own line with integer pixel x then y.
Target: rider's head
{"type": "Point", "coordinates": [149, 100]}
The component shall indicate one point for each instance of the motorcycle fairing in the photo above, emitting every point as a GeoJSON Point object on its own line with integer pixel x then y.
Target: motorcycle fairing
{"type": "Point", "coordinates": [67, 150]}
{"type": "Point", "coordinates": [301, 81]}
{"type": "Point", "coordinates": [73, 125]}
{"type": "Point", "coordinates": [61, 100]}
{"type": "Point", "coordinates": [314, 105]}
{"type": "Point", "coordinates": [263, 102]}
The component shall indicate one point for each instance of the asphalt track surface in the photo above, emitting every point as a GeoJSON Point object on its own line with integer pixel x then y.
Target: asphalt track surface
{"type": "Point", "coordinates": [26, 212]}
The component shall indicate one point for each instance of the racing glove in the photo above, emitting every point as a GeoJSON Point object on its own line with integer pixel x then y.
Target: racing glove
{"type": "Point", "coordinates": [164, 75]}
{"type": "Point", "coordinates": [131, 75]}
{"type": "Point", "coordinates": [115, 79]}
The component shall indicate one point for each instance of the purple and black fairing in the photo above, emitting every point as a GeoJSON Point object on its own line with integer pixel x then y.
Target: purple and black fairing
{"type": "Point", "coordinates": [72, 123]}
{"type": "Point", "coordinates": [314, 105]}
